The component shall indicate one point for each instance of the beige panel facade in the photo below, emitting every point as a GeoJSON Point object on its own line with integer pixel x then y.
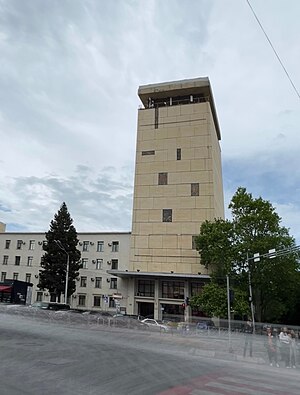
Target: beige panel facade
{"type": "Point", "coordinates": [178, 135]}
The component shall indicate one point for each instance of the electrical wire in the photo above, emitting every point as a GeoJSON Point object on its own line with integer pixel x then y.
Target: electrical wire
{"type": "Point", "coordinates": [274, 50]}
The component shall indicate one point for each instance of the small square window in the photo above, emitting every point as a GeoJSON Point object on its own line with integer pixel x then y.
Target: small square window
{"type": "Point", "coordinates": [113, 283]}
{"type": "Point", "coordinates": [115, 246]}
{"type": "Point", "coordinates": [83, 281]}
{"type": "Point", "coordinates": [100, 246]}
{"type": "Point", "coordinates": [85, 246]}
{"type": "Point", "coordinates": [31, 244]}
{"type": "Point", "coordinates": [162, 178]}
{"type": "Point", "coordinates": [195, 189]}
{"type": "Point", "coordinates": [81, 300]}
{"type": "Point", "coordinates": [167, 215]}
{"type": "Point", "coordinates": [114, 264]}
{"type": "Point", "coordinates": [97, 301]}
{"type": "Point", "coordinates": [98, 282]}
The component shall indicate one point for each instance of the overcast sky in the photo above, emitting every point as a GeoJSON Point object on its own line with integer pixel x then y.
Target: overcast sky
{"type": "Point", "coordinates": [69, 74]}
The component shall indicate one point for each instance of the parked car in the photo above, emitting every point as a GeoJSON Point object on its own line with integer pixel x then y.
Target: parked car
{"type": "Point", "coordinates": [155, 324]}
{"type": "Point", "coordinates": [51, 306]}
{"type": "Point", "coordinates": [205, 325]}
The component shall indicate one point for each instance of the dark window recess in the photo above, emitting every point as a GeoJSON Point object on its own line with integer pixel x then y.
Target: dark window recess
{"type": "Point", "coordinates": [114, 264]}
{"type": "Point", "coordinates": [178, 154]}
{"type": "Point", "coordinates": [156, 118]}
{"type": "Point", "coordinates": [145, 288]}
{"type": "Point", "coordinates": [195, 189]}
{"type": "Point", "coordinates": [162, 178]}
{"type": "Point", "coordinates": [196, 288]}
{"type": "Point", "coordinates": [194, 238]}
{"type": "Point", "coordinates": [144, 153]}
{"type": "Point", "coordinates": [173, 289]}
{"type": "Point", "coordinates": [167, 215]}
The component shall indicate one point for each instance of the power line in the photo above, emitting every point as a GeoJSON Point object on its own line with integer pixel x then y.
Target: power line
{"type": "Point", "coordinates": [274, 50]}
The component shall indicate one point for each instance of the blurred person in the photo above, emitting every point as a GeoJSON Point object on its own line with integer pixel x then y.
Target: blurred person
{"type": "Point", "coordinates": [271, 346]}
{"type": "Point", "coordinates": [293, 349]}
{"type": "Point", "coordinates": [248, 330]}
{"type": "Point", "coordinates": [285, 342]}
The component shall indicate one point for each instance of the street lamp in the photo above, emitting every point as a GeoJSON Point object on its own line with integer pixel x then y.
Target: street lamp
{"type": "Point", "coordinates": [59, 245]}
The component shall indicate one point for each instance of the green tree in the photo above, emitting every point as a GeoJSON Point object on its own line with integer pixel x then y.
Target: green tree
{"type": "Point", "coordinates": [213, 301]}
{"type": "Point", "coordinates": [255, 228]}
{"type": "Point", "coordinates": [54, 260]}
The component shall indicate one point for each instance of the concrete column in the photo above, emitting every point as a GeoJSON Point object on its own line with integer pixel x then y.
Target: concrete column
{"type": "Point", "coordinates": [157, 311]}
{"type": "Point", "coordinates": [130, 300]}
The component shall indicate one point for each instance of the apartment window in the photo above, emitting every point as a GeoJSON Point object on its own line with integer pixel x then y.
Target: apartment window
{"type": "Point", "coordinates": [100, 246]}
{"type": "Point", "coordinates": [173, 289]}
{"type": "Point", "coordinates": [84, 263]}
{"type": "Point", "coordinates": [19, 244]}
{"type": "Point", "coordinates": [112, 303]}
{"type": "Point", "coordinates": [114, 264]}
{"type": "Point", "coordinates": [167, 215]}
{"type": "Point", "coordinates": [98, 282]}
{"type": "Point", "coordinates": [42, 261]}
{"type": "Point", "coordinates": [17, 260]}
{"type": "Point", "coordinates": [115, 246]}
{"type": "Point", "coordinates": [162, 178]}
{"type": "Point", "coordinates": [145, 288]}
{"type": "Point", "coordinates": [113, 283]}
{"type": "Point", "coordinates": [29, 260]}
{"type": "Point", "coordinates": [3, 276]}
{"type": "Point", "coordinates": [144, 153]}
{"type": "Point", "coordinates": [52, 297]}
{"type": "Point", "coordinates": [194, 245]}
{"type": "Point", "coordinates": [5, 260]}
{"type": "Point", "coordinates": [178, 153]}
{"type": "Point", "coordinates": [39, 296]}
{"type": "Point", "coordinates": [97, 301]}
{"type": "Point", "coordinates": [83, 281]}
{"type": "Point", "coordinates": [99, 264]}
{"type": "Point", "coordinates": [195, 189]}
{"type": "Point", "coordinates": [15, 276]}
{"type": "Point", "coordinates": [81, 300]}
{"type": "Point", "coordinates": [7, 244]}
{"type": "Point", "coordinates": [85, 246]}
{"type": "Point", "coordinates": [31, 244]}
{"type": "Point", "coordinates": [28, 277]}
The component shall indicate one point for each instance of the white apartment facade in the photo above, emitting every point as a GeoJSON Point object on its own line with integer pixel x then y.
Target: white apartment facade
{"type": "Point", "coordinates": [96, 289]}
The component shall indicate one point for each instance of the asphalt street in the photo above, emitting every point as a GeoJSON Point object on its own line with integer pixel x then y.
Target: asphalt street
{"type": "Point", "coordinates": [46, 358]}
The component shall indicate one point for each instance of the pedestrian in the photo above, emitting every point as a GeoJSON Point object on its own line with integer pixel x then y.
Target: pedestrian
{"type": "Point", "coordinates": [293, 349]}
{"type": "Point", "coordinates": [248, 330]}
{"type": "Point", "coordinates": [285, 342]}
{"type": "Point", "coordinates": [271, 345]}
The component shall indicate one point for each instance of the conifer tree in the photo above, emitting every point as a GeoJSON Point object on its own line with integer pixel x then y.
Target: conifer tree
{"type": "Point", "coordinates": [60, 246]}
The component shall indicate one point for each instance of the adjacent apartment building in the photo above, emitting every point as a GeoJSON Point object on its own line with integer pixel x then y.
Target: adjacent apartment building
{"type": "Point", "coordinates": [178, 185]}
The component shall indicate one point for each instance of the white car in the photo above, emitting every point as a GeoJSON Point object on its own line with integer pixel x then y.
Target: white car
{"type": "Point", "coordinates": [154, 324]}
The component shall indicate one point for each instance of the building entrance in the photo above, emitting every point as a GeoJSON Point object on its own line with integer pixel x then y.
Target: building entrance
{"type": "Point", "coordinates": [146, 309]}
{"type": "Point", "coordinates": [172, 311]}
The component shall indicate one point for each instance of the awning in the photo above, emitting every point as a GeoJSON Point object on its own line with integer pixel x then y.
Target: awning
{"type": "Point", "coordinates": [5, 288]}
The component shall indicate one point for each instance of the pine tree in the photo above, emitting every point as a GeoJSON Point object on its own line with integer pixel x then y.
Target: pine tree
{"type": "Point", "coordinates": [60, 245]}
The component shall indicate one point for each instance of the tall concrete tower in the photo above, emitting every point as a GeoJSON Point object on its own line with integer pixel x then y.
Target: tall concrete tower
{"type": "Point", "coordinates": [178, 175]}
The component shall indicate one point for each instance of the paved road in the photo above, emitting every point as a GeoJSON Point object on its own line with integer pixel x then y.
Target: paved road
{"type": "Point", "coordinates": [46, 358]}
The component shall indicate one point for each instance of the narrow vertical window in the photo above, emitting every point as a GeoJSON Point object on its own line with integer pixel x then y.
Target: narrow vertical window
{"type": "Point", "coordinates": [156, 118]}
{"type": "Point", "coordinates": [178, 153]}
{"type": "Point", "coordinates": [167, 215]}
{"type": "Point", "coordinates": [195, 189]}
